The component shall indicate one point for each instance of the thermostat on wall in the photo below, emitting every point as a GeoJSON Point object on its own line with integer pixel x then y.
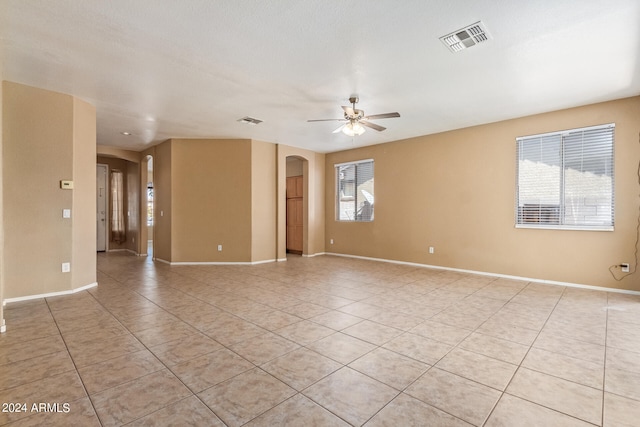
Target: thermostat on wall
{"type": "Point", "coordinates": [66, 185]}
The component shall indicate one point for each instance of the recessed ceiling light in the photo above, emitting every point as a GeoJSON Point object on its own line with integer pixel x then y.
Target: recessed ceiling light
{"type": "Point", "coordinates": [126, 133]}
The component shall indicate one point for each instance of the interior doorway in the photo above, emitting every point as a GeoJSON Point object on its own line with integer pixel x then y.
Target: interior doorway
{"type": "Point", "coordinates": [149, 205]}
{"type": "Point", "coordinates": [295, 205]}
{"type": "Point", "coordinates": [102, 205]}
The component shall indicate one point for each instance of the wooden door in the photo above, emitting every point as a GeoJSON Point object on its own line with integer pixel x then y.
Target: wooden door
{"type": "Point", "coordinates": [294, 225]}
{"type": "Point", "coordinates": [294, 214]}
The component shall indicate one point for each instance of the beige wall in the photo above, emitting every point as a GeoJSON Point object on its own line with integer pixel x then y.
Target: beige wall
{"type": "Point", "coordinates": [215, 192]}
{"type": "Point", "coordinates": [455, 191]}
{"type": "Point", "coordinates": [107, 151]}
{"type": "Point", "coordinates": [211, 200]}
{"type": "Point", "coordinates": [44, 137]}
{"type": "Point", "coordinates": [38, 153]}
{"type": "Point", "coordinates": [263, 201]}
{"type": "Point", "coordinates": [162, 198]}
{"type": "Point", "coordinates": [2, 322]}
{"type": "Point", "coordinates": [294, 166]}
{"type": "Point", "coordinates": [132, 214]}
{"type": "Point", "coordinates": [313, 208]}
{"type": "Point", "coordinates": [83, 216]}
{"type": "Point", "coordinates": [315, 204]}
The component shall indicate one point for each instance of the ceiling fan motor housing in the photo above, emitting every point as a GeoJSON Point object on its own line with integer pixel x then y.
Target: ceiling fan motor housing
{"type": "Point", "coordinates": [357, 115]}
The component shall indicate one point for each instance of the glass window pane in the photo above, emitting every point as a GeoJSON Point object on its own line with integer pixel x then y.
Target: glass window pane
{"type": "Point", "coordinates": [566, 179]}
{"type": "Point", "coordinates": [354, 191]}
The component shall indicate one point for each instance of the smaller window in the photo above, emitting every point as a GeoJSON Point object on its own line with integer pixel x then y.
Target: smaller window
{"type": "Point", "coordinates": [150, 204]}
{"type": "Point", "coordinates": [354, 191]}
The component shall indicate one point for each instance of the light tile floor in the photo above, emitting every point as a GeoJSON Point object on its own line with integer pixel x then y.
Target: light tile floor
{"type": "Point", "coordinates": [319, 341]}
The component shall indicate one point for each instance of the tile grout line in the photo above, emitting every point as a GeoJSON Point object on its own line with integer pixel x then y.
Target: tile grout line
{"type": "Point", "coordinates": [192, 292]}
{"type": "Point", "coordinates": [152, 353]}
{"type": "Point", "coordinates": [520, 366]}
{"type": "Point", "coordinates": [503, 392]}
{"type": "Point", "coordinates": [74, 363]}
{"type": "Point", "coordinates": [430, 366]}
{"type": "Point", "coordinates": [227, 348]}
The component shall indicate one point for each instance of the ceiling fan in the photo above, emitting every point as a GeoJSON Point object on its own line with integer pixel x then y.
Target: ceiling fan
{"type": "Point", "coordinates": [355, 119]}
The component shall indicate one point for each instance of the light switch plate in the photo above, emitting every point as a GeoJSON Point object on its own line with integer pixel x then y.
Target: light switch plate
{"type": "Point", "coordinates": [66, 213]}
{"type": "Point", "coordinates": [66, 185]}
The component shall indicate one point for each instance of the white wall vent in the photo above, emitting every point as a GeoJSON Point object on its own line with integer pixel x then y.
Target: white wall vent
{"type": "Point", "coordinates": [466, 37]}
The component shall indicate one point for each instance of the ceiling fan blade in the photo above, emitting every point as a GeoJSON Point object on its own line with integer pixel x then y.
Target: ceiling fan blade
{"type": "Point", "coordinates": [326, 120]}
{"type": "Point", "coordinates": [383, 116]}
{"type": "Point", "coordinates": [372, 125]}
{"type": "Point", "coordinates": [339, 129]}
{"type": "Point", "coordinates": [349, 111]}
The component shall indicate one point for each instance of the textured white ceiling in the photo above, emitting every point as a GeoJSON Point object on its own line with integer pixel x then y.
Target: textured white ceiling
{"type": "Point", "coordinates": [191, 68]}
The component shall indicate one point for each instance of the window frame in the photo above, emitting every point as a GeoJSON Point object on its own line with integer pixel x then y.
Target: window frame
{"type": "Point", "coordinates": [562, 205]}
{"type": "Point", "coordinates": [351, 197]}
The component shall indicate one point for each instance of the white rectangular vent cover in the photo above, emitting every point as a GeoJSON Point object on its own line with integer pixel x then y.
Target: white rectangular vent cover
{"type": "Point", "coordinates": [249, 121]}
{"type": "Point", "coordinates": [466, 37]}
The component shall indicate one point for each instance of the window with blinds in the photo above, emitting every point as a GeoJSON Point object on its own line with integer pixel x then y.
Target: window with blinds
{"type": "Point", "coordinates": [565, 179]}
{"type": "Point", "coordinates": [354, 191]}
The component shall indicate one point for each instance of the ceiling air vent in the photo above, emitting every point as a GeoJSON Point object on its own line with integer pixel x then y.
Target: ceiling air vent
{"type": "Point", "coordinates": [249, 121]}
{"type": "Point", "coordinates": [466, 37]}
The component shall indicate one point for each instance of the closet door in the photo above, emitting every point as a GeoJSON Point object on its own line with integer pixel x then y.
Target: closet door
{"type": "Point", "coordinates": [294, 224]}
{"type": "Point", "coordinates": [294, 214]}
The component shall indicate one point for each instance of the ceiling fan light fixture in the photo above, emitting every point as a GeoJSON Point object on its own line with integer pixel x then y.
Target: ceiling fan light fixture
{"type": "Point", "coordinates": [353, 129]}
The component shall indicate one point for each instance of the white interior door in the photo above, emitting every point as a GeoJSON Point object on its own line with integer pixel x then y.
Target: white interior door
{"type": "Point", "coordinates": [101, 206]}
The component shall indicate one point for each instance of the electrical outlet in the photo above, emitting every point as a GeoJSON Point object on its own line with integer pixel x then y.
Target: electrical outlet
{"type": "Point", "coordinates": [66, 267]}
{"type": "Point", "coordinates": [431, 249]}
{"type": "Point", "coordinates": [331, 241]}
{"type": "Point", "coordinates": [219, 248]}
{"type": "Point", "coordinates": [625, 267]}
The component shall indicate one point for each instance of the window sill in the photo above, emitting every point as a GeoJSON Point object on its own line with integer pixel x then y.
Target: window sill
{"type": "Point", "coordinates": [565, 227]}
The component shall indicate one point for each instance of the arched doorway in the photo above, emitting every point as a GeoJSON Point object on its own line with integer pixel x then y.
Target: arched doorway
{"type": "Point", "coordinates": [148, 217]}
{"type": "Point", "coordinates": [296, 204]}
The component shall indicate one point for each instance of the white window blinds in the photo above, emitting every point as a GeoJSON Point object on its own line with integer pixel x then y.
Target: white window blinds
{"type": "Point", "coordinates": [354, 191]}
{"type": "Point", "coordinates": [565, 179]}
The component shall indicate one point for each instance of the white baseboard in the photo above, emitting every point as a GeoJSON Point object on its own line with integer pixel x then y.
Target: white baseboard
{"type": "Point", "coordinates": [266, 261]}
{"type": "Point", "coordinates": [484, 273]}
{"type": "Point", "coordinates": [51, 294]}
{"type": "Point", "coordinates": [281, 259]}
{"type": "Point", "coordinates": [312, 255]}
{"type": "Point", "coordinates": [123, 250]}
